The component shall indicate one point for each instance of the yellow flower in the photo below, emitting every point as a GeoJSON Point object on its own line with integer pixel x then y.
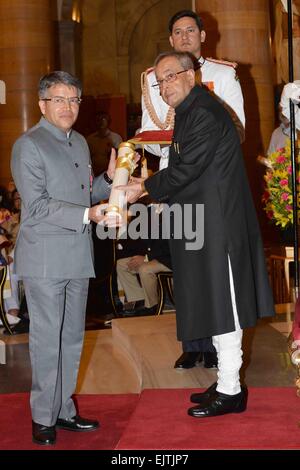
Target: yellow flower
{"type": "Point", "coordinates": [277, 197]}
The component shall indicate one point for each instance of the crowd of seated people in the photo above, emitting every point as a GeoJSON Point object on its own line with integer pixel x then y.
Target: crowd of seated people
{"type": "Point", "coordinates": [10, 209]}
{"type": "Point", "coordinates": [138, 261]}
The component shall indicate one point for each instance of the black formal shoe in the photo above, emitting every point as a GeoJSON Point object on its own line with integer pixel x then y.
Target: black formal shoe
{"type": "Point", "coordinates": [210, 360]}
{"type": "Point", "coordinates": [117, 303]}
{"type": "Point", "coordinates": [140, 312]}
{"type": "Point", "coordinates": [187, 360]}
{"type": "Point", "coordinates": [43, 435]}
{"type": "Point", "coordinates": [131, 311]}
{"type": "Point", "coordinates": [221, 404]}
{"type": "Point", "coordinates": [19, 328]}
{"type": "Point", "coordinates": [77, 424]}
{"type": "Point", "coordinates": [204, 396]}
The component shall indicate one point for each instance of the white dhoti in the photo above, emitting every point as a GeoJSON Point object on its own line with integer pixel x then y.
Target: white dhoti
{"type": "Point", "coordinates": [229, 351]}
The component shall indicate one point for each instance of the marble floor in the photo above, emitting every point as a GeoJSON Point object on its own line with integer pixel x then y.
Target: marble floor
{"type": "Point", "coordinates": [137, 353]}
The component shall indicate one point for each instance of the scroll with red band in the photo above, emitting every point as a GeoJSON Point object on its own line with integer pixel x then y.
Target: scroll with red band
{"type": "Point", "coordinates": [153, 137]}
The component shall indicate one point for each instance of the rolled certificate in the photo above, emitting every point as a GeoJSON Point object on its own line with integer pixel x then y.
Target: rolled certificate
{"type": "Point", "coordinates": [124, 168]}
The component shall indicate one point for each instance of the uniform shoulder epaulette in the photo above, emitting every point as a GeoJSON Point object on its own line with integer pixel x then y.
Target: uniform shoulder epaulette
{"type": "Point", "coordinates": [144, 76]}
{"type": "Point", "coordinates": [149, 70]}
{"type": "Point", "coordinates": [223, 62]}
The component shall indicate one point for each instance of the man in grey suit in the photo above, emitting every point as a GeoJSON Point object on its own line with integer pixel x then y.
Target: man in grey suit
{"type": "Point", "coordinates": [52, 171]}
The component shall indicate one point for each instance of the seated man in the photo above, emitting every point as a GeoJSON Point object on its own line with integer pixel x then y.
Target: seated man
{"type": "Point", "coordinates": [150, 257]}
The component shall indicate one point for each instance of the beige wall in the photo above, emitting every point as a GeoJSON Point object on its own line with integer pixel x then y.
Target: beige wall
{"type": "Point", "coordinates": [26, 53]}
{"type": "Point", "coordinates": [241, 32]}
{"type": "Point", "coordinates": [99, 47]}
{"type": "Point", "coordinates": [121, 38]}
{"type": "Point", "coordinates": [150, 37]}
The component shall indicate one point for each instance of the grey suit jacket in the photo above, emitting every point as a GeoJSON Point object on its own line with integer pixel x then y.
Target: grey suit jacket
{"type": "Point", "coordinates": [52, 172]}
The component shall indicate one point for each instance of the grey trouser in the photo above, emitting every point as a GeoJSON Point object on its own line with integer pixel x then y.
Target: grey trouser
{"type": "Point", "coordinates": [57, 321]}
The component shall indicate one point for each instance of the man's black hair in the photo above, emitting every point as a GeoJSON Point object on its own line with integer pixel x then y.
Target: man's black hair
{"type": "Point", "coordinates": [56, 78]}
{"type": "Point", "coordinates": [183, 13]}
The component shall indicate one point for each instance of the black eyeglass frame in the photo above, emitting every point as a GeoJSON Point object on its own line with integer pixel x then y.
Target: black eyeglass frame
{"type": "Point", "coordinates": [76, 100]}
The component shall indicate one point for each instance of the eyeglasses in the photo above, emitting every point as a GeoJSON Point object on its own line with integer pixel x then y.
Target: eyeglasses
{"type": "Point", "coordinates": [168, 79]}
{"type": "Point", "coordinates": [62, 101]}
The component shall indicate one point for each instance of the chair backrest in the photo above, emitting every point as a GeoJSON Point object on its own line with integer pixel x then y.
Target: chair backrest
{"type": "Point", "coordinates": [104, 255]}
{"type": "Point", "coordinates": [3, 274]}
{"type": "Point", "coordinates": [164, 281]}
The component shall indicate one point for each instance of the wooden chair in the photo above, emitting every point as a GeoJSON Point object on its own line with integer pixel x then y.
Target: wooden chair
{"type": "Point", "coordinates": [3, 273]}
{"type": "Point", "coordinates": [164, 279]}
{"type": "Point", "coordinates": [279, 274]}
{"type": "Point", "coordinates": [101, 295]}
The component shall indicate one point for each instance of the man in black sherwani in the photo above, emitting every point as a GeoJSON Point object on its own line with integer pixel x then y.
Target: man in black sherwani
{"type": "Point", "coordinates": [223, 287]}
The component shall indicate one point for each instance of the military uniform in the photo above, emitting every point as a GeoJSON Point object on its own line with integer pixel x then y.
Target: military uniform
{"type": "Point", "coordinates": [291, 91]}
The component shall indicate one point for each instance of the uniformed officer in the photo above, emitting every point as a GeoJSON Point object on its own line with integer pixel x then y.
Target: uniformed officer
{"type": "Point", "coordinates": [187, 35]}
{"type": "Point", "coordinates": [291, 91]}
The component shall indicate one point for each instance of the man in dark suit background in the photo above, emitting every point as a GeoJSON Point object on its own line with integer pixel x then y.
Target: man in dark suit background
{"type": "Point", "coordinates": [221, 287]}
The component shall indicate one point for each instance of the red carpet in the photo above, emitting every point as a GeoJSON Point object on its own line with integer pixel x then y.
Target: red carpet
{"type": "Point", "coordinates": [157, 420]}
{"type": "Point", "coordinates": [113, 412]}
{"type": "Point", "coordinates": [160, 422]}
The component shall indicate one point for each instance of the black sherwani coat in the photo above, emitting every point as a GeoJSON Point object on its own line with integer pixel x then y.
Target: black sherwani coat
{"type": "Point", "coordinates": [206, 167]}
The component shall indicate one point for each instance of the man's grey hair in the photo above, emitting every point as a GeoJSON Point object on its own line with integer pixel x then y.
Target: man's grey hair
{"type": "Point", "coordinates": [56, 78]}
{"type": "Point", "coordinates": [186, 59]}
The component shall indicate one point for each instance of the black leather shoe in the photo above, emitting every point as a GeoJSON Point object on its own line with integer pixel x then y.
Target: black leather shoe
{"type": "Point", "coordinates": [204, 396]}
{"type": "Point", "coordinates": [210, 360]}
{"type": "Point", "coordinates": [187, 360]}
{"type": "Point", "coordinates": [140, 312]}
{"type": "Point", "coordinates": [221, 404]}
{"type": "Point", "coordinates": [43, 435]}
{"type": "Point", "coordinates": [131, 311]}
{"type": "Point", "coordinates": [77, 424]}
{"type": "Point", "coordinates": [19, 328]}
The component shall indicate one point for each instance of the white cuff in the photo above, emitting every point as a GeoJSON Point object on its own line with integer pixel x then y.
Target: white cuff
{"type": "Point", "coordinates": [86, 219]}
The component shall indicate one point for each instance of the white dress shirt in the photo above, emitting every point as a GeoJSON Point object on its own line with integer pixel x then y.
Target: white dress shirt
{"type": "Point", "coordinates": [291, 91]}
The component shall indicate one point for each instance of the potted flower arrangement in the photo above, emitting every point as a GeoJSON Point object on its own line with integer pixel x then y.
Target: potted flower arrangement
{"type": "Point", "coordinates": [277, 197]}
